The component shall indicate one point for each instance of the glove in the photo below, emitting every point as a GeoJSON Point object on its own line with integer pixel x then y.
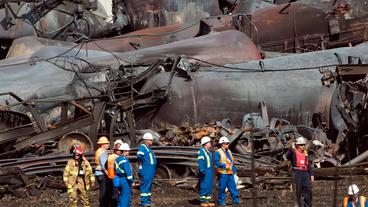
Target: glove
{"type": "Point", "coordinates": [136, 184]}
{"type": "Point", "coordinates": [69, 188]}
{"type": "Point", "coordinates": [92, 180]}
{"type": "Point", "coordinates": [88, 187]}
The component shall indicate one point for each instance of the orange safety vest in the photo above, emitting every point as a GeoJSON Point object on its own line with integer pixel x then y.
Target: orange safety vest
{"type": "Point", "coordinates": [99, 151]}
{"type": "Point", "coordinates": [301, 162]}
{"type": "Point", "coordinates": [362, 199]}
{"type": "Point", "coordinates": [111, 173]}
{"type": "Point", "coordinates": [225, 160]}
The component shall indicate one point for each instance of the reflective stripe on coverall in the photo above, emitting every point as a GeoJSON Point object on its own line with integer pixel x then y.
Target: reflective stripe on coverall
{"type": "Point", "coordinates": [147, 171]}
{"type": "Point", "coordinates": [362, 202]}
{"type": "Point", "coordinates": [205, 175]}
{"type": "Point", "coordinates": [226, 170]}
{"type": "Point", "coordinates": [125, 176]}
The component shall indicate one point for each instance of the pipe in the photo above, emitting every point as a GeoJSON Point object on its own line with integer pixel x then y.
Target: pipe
{"type": "Point", "coordinates": [357, 159]}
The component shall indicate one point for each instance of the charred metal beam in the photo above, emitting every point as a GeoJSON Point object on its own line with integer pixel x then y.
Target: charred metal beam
{"type": "Point", "coordinates": [12, 134]}
{"type": "Point", "coordinates": [98, 113]}
{"type": "Point", "coordinates": [52, 133]}
{"type": "Point", "coordinates": [352, 69]}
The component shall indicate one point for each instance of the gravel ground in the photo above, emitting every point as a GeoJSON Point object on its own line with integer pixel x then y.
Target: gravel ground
{"type": "Point", "coordinates": [167, 195]}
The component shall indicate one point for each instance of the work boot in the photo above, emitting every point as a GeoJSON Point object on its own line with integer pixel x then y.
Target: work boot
{"type": "Point", "coordinates": [204, 205]}
{"type": "Point", "coordinates": [210, 204]}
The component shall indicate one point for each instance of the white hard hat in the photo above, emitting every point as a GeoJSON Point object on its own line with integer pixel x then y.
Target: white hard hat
{"type": "Point", "coordinates": [204, 140]}
{"type": "Point", "coordinates": [124, 147]}
{"type": "Point", "coordinates": [119, 141]}
{"type": "Point", "coordinates": [353, 189]}
{"type": "Point", "coordinates": [148, 136]}
{"type": "Point", "coordinates": [224, 140]}
{"type": "Point", "coordinates": [300, 141]}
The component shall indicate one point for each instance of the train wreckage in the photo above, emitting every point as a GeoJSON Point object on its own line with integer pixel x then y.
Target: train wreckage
{"type": "Point", "coordinates": [261, 83]}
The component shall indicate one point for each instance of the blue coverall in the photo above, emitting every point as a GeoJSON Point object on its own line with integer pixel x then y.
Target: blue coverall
{"type": "Point", "coordinates": [226, 180]}
{"type": "Point", "coordinates": [147, 170]}
{"type": "Point", "coordinates": [349, 202]}
{"type": "Point", "coordinates": [205, 175]}
{"type": "Point", "coordinates": [125, 180]}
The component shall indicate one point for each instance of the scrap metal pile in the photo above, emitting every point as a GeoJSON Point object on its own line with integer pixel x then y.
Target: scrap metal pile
{"type": "Point", "coordinates": [76, 70]}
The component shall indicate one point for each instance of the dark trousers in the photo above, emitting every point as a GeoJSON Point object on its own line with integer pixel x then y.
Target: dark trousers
{"type": "Point", "coordinates": [105, 190]}
{"type": "Point", "coordinates": [115, 197]}
{"type": "Point", "coordinates": [303, 185]}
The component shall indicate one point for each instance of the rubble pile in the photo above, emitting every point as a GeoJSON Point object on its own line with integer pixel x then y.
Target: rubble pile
{"type": "Point", "coordinates": [272, 140]}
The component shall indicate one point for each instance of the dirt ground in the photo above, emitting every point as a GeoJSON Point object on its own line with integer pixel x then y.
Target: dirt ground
{"type": "Point", "coordinates": [167, 195]}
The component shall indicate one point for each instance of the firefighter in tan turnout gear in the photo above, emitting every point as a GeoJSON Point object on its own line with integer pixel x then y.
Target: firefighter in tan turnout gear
{"type": "Point", "coordinates": [78, 178]}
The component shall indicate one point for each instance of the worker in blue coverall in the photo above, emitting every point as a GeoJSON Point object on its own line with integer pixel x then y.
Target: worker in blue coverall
{"type": "Point", "coordinates": [302, 170]}
{"type": "Point", "coordinates": [226, 169]}
{"type": "Point", "coordinates": [147, 168]}
{"type": "Point", "coordinates": [125, 176]}
{"type": "Point", "coordinates": [353, 199]}
{"type": "Point", "coordinates": [205, 172]}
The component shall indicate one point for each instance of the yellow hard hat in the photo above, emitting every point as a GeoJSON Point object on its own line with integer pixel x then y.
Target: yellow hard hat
{"type": "Point", "coordinates": [103, 140]}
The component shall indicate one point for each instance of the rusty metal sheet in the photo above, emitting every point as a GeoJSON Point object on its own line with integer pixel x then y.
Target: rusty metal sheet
{"type": "Point", "coordinates": [143, 38]}
{"type": "Point", "coordinates": [165, 34]}
{"type": "Point", "coordinates": [297, 27]}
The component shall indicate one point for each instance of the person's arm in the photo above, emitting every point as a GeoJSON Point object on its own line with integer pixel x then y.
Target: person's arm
{"type": "Point", "coordinates": [118, 166]}
{"type": "Point", "coordinates": [310, 169]}
{"type": "Point", "coordinates": [66, 177]}
{"type": "Point", "coordinates": [217, 161]}
{"type": "Point", "coordinates": [201, 162]}
{"type": "Point", "coordinates": [103, 160]}
{"type": "Point", "coordinates": [234, 168]}
{"type": "Point", "coordinates": [140, 154]}
{"type": "Point", "coordinates": [90, 173]}
{"type": "Point", "coordinates": [128, 171]}
{"type": "Point", "coordinates": [289, 155]}
{"type": "Point", "coordinates": [66, 174]}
